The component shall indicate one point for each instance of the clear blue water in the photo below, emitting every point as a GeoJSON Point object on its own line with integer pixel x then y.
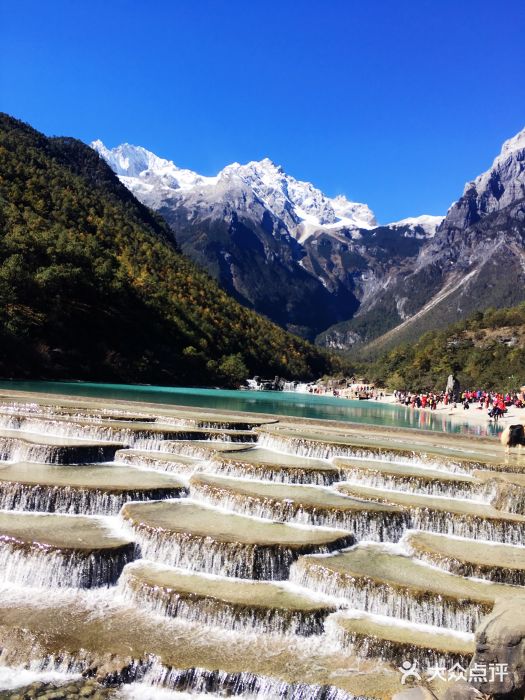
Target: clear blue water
{"type": "Point", "coordinates": [281, 403]}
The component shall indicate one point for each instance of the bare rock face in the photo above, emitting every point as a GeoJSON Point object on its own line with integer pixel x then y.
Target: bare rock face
{"type": "Point", "coordinates": [500, 640]}
{"type": "Point", "coordinates": [493, 190]}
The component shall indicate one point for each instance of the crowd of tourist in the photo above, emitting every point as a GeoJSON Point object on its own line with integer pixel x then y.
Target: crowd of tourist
{"type": "Point", "coordinates": [495, 403]}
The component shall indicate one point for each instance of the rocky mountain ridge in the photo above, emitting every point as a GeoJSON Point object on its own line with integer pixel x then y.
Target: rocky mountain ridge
{"type": "Point", "coordinates": [322, 266]}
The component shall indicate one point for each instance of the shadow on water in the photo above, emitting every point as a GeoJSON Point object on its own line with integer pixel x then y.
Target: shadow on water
{"type": "Point", "coordinates": [282, 403]}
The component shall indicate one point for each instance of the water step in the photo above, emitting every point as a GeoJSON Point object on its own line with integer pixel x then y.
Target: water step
{"type": "Point", "coordinates": [24, 411]}
{"type": "Point", "coordinates": [226, 423]}
{"type": "Point", "coordinates": [19, 446]}
{"type": "Point", "coordinates": [111, 641]}
{"type": "Point", "coordinates": [261, 463]}
{"type": "Point", "coordinates": [411, 478]}
{"type": "Point", "coordinates": [365, 635]}
{"type": "Point", "coordinates": [161, 461]}
{"type": "Point", "coordinates": [231, 603]}
{"type": "Point", "coordinates": [385, 580]}
{"type": "Point", "coordinates": [503, 563]}
{"type": "Point", "coordinates": [135, 433]}
{"type": "Point", "coordinates": [245, 436]}
{"type": "Point", "coordinates": [448, 515]}
{"type": "Point", "coordinates": [14, 402]}
{"type": "Point", "coordinates": [371, 442]}
{"type": "Point", "coordinates": [199, 537]}
{"type": "Point", "coordinates": [505, 490]}
{"type": "Point", "coordinates": [38, 549]}
{"type": "Point", "coordinates": [90, 489]}
{"type": "Point", "coordinates": [194, 449]}
{"type": "Point", "coordinates": [58, 412]}
{"type": "Point", "coordinates": [310, 505]}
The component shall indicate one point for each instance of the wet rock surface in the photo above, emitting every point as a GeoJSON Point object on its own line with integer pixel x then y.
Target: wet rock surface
{"type": "Point", "coordinates": [83, 689]}
{"type": "Point", "coordinates": [500, 646]}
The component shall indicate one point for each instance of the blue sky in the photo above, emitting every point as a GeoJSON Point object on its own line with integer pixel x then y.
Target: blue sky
{"type": "Point", "coordinates": [394, 103]}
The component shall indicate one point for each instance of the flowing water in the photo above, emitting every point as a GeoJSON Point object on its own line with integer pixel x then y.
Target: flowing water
{"type": "Point", "coordinates": [166, 554]}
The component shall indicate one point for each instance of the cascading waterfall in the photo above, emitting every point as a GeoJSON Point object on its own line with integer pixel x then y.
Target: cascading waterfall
{"type": "Point", "coordinates": [219, 613]}
{"type": "Point", "coordinates": [247, 685]}
{"type": "Point", "coordinates": [183, 466]}
{"type": "Point", "coordinates": [26, 565]}
{"type": "Point", "coordinates": [84, 431]}
{"type": "Point", "coordinates": [143, 438]}
{"type": "Point", "coordinates": [304, 447]}
{"type": "Point", "coordinates": [192, 444]}
{"type": "Point", "coordinates": [75, 501]}
{"type": "Point", "coordinates": [10, 422]}
{"type": "Point", "coordinates": [416, 484]}
{"type": "Point", "coordinates": [16, 449]}
{"type": "Point", "coordinates": [490, 572]}
{"type": "Point", "coordinates": [261, 471]}
{"type": "Point", "coordinates": [198, 449]}
{"type": "Point", "coordinates": [469, 526]}
{"type": "Point", "coordinates": [187, 434]}
{"type": "Point", "coordinates": [237, 559]}
{"type": "Point", "coordinates": [420, 607]}
{"type": "Point", "coordinates": [366, 646]}
{"type": "Point", "coordinates": [370, 525]}
{"type": "Point", "coordinates": [84, 663]}
{"type": "Point", "coordinates": [209, 424]}
{"type": "Point", "coordinates": [505, 496]}
{"type": "Point", "coordinates": [87, 414]}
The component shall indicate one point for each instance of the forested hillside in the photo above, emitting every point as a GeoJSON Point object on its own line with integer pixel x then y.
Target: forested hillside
{"type": "Point", "coordinates": [92, 286]}
{"type": "Point", "coordinates": [487, 351]}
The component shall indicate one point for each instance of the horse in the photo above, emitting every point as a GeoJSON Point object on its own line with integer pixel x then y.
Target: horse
{"type": "Point", "coordinates": [513, 436]}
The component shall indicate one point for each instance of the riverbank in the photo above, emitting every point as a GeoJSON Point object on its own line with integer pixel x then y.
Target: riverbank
{"type": "Point", "coordinates": [473, 416]}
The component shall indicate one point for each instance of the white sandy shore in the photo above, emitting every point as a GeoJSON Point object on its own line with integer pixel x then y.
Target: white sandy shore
{"type": "Point", "coordinates": [473, 416]}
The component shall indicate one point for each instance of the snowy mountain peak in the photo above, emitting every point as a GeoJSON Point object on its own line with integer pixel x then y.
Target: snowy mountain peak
{"type": "Point", "coordinates": [130, 161]}
{"type": "Point", "coordinates": [137, 166]}
{"type": "Point", "coordinates": [293, 201]}
{"type": "Point", "coordinates": [286, 196]}
{"type": "Point", "coordinates": [426, 222]}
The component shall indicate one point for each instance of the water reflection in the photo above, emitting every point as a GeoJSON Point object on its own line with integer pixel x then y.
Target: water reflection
{"type": "Point", "coordinates": [288, 404]}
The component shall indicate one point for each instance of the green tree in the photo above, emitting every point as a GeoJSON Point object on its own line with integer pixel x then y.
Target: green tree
{"type": "Point", "coordinates": [232, 370]}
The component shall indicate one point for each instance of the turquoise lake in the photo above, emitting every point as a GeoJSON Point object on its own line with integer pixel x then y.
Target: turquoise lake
{"type": "Point", "coordinates": [281, 403]}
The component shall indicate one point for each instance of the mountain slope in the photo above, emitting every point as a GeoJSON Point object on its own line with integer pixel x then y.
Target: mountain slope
{"type": "Point", "coordinates": [486, 351]}
{"type": "Point", "coordinates": [272, 241]}
{"type": "Point", "coordinates": [93, 286]}
{"type": "Point", "coordinates": [476, 259]}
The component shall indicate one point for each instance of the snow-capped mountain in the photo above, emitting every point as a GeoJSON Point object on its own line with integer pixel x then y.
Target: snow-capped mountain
{"type": "Point", "coordinates": [323, 265]}
{"type": "Point", "coordinates": [293, 201]}
{"type": "Point", "coordinates": [424, 226]}
{"type": "Point", "coordinates": [138, 167]}
{"type": "Point", "coordinates": [262, 233]}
